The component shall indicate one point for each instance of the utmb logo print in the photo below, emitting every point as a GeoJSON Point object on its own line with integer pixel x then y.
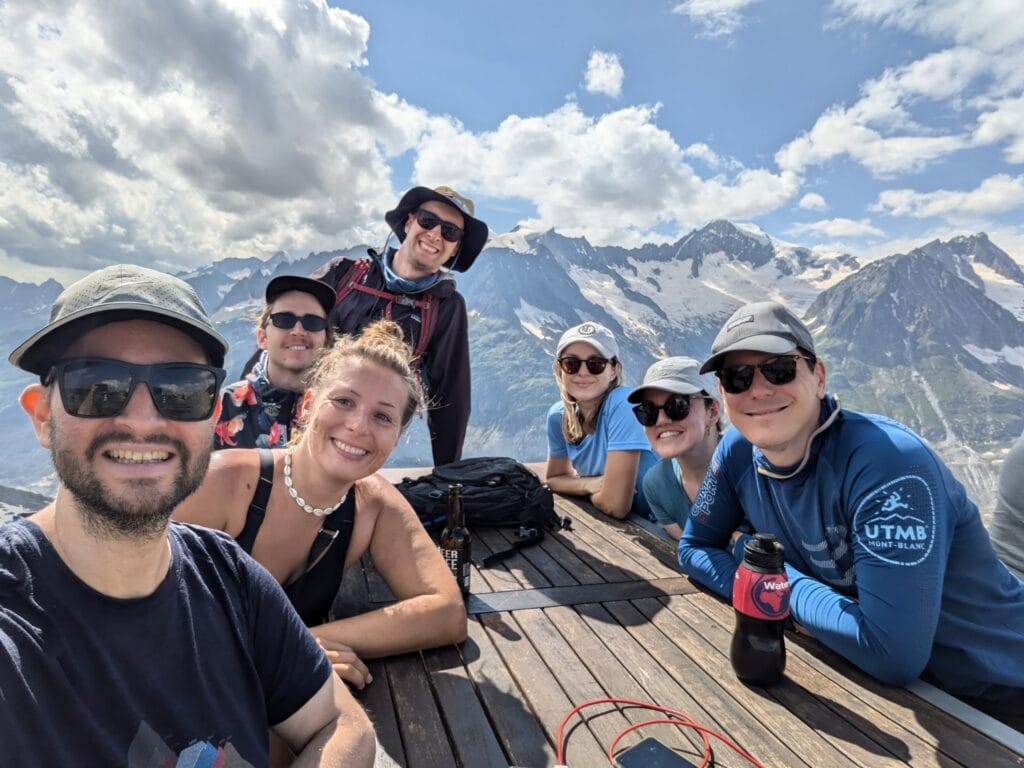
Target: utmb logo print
{"type": "Point", "coordinates": [896, 523]}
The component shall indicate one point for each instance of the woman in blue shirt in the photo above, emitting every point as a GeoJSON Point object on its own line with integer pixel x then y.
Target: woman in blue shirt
{"type": "Point", "coordinates": [596, 448]}
{"type": "Point", "coordinates": [680, 414]}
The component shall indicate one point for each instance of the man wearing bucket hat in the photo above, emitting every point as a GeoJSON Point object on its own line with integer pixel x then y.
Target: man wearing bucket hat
{"type": "Point", "coordinates": [679, 411]}
{"type": "Point", "coordinates": [126, 639]}
{"type": "Point", "coordinates": [260, 410]}
{"type": "Point", "coordinates": [888, 561]}
{"type": "Point", "coordinates": [437, 233]}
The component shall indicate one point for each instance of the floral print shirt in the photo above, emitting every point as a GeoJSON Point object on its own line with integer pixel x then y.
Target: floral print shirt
{"type": "Point", "coordinates": [254, 413]}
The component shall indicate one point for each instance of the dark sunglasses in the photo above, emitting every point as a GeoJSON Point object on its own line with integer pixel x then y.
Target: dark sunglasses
{"type": "Point", "coordinates": [287, 320]}
{"type": "Point", "coordinates": [571, 365]}
{"type": "Point", "coordinates": [776, 370]}
{"type": "Point", "coordinates": [677, 408]}
{"type": "Point", "coordinates": [428, 221]}
{"type": "Point", "coordinates": [98, 388]}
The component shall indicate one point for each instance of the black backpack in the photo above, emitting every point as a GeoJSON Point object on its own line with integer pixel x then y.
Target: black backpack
{"type": "Point", "coordinates": [497, 492]}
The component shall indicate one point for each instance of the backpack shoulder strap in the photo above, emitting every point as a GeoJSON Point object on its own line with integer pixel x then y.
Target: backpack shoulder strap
{"type": "Point", "coordinates": [258, 506]}
{"type": "Point", "coordinates": [350, 279]}
{"type": "Point", "coordinates": [337, 525]}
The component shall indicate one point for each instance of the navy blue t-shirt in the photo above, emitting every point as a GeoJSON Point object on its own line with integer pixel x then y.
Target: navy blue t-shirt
{"type": "Point", "coordinates": [196, 671]}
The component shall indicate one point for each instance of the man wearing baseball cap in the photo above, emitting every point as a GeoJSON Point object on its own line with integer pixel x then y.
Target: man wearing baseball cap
{"type": "Point", "coordinates": [679, 411]}
{"type": "Point", "coordinates": [126, 639]}
{"type": "Point", "coordinates": [437, 233]}
{"type": "Point", "coordinates": [888, 561]}
{"type": "Point", "coordinates": [260, 410]}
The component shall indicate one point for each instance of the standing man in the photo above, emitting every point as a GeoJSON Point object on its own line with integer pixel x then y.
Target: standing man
{"type": "Point", "coordinates": [888, 561]}
{"type": "Point", "coordinates": [260, 410]}
{"type": "Point", "coordinates": [126, 640]}
{"type": "Point", "coordinates": [413, 285]}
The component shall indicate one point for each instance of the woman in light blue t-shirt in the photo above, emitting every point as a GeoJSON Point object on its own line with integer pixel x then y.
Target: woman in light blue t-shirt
{"type": "Point", "coordinates": [680, 414]}
{"type": "Point", "coordinates": [596, 448]}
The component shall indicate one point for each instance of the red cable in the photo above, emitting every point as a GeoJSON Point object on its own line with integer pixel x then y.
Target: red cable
{"type": "Point", "coordinates": [669, 721]}
{"type": "Point", "coordinates": [683, 720]}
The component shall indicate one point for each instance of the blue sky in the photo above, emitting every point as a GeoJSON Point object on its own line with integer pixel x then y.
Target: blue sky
{"type": "Point", "coordinates": [181, 132]}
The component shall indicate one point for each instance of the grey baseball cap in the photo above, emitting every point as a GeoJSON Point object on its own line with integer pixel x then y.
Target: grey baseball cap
{"type": "Point", "coordinates": [679, 375]}
{"type": "Point", "coordinates": [594, 334]}
{"type": "Point", "coordinates": [120, 292]}
{"type": "Point", "coordinates": [765, 326]}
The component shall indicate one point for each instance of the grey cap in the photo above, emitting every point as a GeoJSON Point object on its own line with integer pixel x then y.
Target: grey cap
{"type": "Point", "coordinates": [765, 326]}
{"type": "Point", "coordinates": [120, 292]}
{"type": "Point", "coordinates": [594, 334]}
{"type": "Point", "coordinates": [679, 375]}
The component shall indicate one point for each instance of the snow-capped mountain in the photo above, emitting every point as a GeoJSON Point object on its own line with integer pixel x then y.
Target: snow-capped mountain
{"type": "Point", "coordinates": [933, 337]}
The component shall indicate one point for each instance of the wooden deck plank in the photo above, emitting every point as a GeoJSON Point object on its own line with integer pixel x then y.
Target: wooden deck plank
{"type": "Point", "coordinates": [604, 721]}
{"type": "Point", "coordinates": [468, 727]}
{"type": "Point", "coordinates": [541, 559]}
{"type": "Point", "coordinates": [878, 749]}
{"type": "Point", "coordinates": [524, 599]}
{"type": "Point", "coordinates": [604, 556]}
{"type": "Point", "coordinates": [496, 578]}
{"type": "Point", "coordinates": [627, 538]}
{"type": "Point", "coordinates": [376, 698]}
{"type": "Point", "coordinates": [936, 729]}
{"type": "Point", "coordinates": [680, 682]}
{"type": "Point", "coordinates": [799, 737]}
{"type": "Point", "coordinates": [421, 725]}
{"type": "Point", "coordinates": [540, 688]}
{"type": "Point", "coordinates": [521, 569]}
{"type": "Point", "coordinates": [564, 551]}
{"type": "Point", "coordinates": [617, 680]}
{"type": "Point", "coordinates": [515, 725]}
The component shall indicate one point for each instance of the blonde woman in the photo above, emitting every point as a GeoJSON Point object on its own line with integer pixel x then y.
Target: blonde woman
{"type": "Point", "coordinates": [595, 446]}
{"type": "Point", "coordinates": [310, 511]}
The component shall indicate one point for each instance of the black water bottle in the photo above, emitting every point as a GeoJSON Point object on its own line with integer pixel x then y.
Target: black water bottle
{"type": "Point", "coordinates": [760, 595]}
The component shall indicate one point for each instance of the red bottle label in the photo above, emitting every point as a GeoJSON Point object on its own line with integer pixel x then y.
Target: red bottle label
{"type": "Point", "coordinates": [761, 595]}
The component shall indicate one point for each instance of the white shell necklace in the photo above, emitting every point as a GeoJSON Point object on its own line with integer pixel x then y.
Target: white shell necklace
{"type": "Point", "coordinates": [309, 508]}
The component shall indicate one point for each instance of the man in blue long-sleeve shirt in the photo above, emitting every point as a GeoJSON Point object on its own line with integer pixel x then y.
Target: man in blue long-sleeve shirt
{"type": "Point", "coordinates": [888, 560]}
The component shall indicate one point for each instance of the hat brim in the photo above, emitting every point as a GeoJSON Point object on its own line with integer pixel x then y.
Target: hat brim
{"type": "Point", "coordinates": [318, 289]}
{"type": "Point", "coordinates": [473, 241]}
{"type": "Point", "coordinates": [674, 386]}
{"type": "Point", "coordinates": [766, 343]}
{"type": "Point", "coordinates": [41, 350]}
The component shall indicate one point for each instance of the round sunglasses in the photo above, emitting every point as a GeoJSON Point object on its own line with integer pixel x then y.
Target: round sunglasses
{"type": "Point", "coordinates": [571, 365]}
{"type": "Point", "coordinates": [676, 407]}
{"type": "Point", "coordinates": [777, 371]}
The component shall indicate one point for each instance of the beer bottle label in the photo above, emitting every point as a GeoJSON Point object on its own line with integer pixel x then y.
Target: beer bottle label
{"type": "Point", "coordinates": [761, 595]}
{"type": "Point", "coordinates": [458, 563]}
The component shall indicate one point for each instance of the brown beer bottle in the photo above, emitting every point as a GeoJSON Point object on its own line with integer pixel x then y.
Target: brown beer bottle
{"type": "Point", "coordinates": [455, 544]}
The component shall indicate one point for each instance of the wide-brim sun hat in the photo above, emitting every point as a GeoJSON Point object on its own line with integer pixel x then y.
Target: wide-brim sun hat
{"type": "Point", "coordinates": [594, 334]}
{"type": "Point", "coordinates": [678, 375]}
{"type": "Point", "coordinates": [764, 326]}
{"type": "Point", "coordinates": [318, 289]}
{"type": "Point", "coordinates": [476, 232]}
{"type": "Point", "coordinates": [116, 293]}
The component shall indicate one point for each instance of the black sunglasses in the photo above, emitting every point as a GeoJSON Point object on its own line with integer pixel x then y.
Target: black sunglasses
{"type": "Point", "coordinates": [776, 371]}
{"type": "Point", "coordinates": [287, 320]}
{"type": "Point", "coordinates": [676, 407]}
{"type": "Point", "coordinates": [98, 388]}
{"type": "Point", "coordinates": [571, 365]}
{"type": "Point", "coordinates": [449, 231]}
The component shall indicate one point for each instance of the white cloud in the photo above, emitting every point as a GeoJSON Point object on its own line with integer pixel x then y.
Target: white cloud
{"type": "Point", "coordinates": [812, 201]}
{"type": "Point", "coordinates": [996, 194]}
{"type": "Point", "coordinates": [177, 133]}
{"type": "Point", "coordinates": [613, 178]}
{"type": "Point", "coordinates": [717, 18]}
{"type": "Point", "coordinates": [604, 74]}
{"type": "Point", "coordinates": [878, 131]}
{"type": "Point", "coordinates": [838, 228]}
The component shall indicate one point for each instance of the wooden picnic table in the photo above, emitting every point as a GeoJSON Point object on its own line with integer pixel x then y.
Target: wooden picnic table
{"type": "Point", "coordinates": [602, 611]}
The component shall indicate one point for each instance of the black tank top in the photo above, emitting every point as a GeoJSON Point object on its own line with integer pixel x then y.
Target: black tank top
{"type": "Point", "coordinates": [312, 594]}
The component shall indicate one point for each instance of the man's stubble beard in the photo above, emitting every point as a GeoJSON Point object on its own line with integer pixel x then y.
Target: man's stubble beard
{"type": "Point", "coordinates": [142, 516]}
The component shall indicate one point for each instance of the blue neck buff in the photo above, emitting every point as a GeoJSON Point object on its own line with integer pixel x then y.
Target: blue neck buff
{"type": "Point", "coordinates": [395, 283]}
